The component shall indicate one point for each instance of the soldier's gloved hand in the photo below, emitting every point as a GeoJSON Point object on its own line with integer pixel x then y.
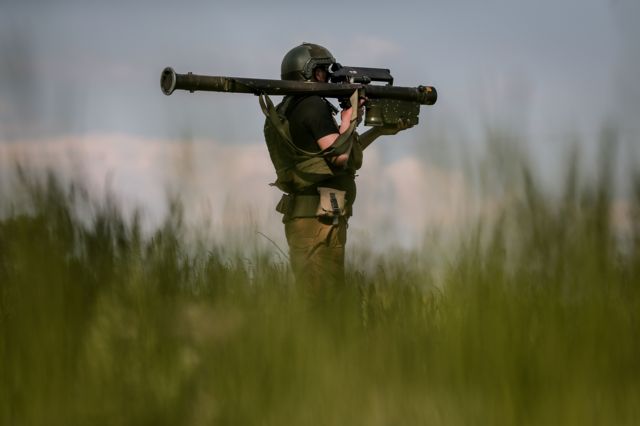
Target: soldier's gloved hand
{"type": "Point", "coordinates": [392, 129]}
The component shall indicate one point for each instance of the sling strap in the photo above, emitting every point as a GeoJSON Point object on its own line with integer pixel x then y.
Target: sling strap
{"type": "Point", "coordinates": [340, 146]}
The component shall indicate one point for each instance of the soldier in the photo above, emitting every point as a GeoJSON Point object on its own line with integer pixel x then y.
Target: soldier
{"type": "Point", "coordinates": [316, 169]}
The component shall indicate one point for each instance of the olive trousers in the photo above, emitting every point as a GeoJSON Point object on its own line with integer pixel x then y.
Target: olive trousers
{"type": "Point", "coordinates": [316, 251]}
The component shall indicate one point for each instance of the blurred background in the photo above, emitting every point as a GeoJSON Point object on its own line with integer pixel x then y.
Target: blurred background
{"type": "Point", "coordinates": [494, 256]}
{"type": "Point", "coordinates": [79, 92]}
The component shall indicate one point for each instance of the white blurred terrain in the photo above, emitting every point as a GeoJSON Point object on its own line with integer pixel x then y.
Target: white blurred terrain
{"type": "Point", "coordinates": [225, 188]}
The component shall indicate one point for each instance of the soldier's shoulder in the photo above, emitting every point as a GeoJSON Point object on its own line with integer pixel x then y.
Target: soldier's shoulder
{"type": "Point", "coordinates": [313, 102]}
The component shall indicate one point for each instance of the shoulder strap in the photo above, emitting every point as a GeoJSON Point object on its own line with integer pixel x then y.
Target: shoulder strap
{"type": "Point", "coordinates": [282, 126]}
{"type": "Point", "coordinates": [341, 144]}
{"type": "Point", "coordinates": [272, 114]}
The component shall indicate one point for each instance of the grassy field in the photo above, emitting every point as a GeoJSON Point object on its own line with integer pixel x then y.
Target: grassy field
{"type": "Point", "coordinates": [534, 321]}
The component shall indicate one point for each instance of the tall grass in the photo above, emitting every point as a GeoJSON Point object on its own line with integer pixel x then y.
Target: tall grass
{"type": "Point", "coordinates": [535, 320]}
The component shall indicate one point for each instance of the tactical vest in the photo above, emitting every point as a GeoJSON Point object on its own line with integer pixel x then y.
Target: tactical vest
{"type": "Point", "coordinates": [297, 169]}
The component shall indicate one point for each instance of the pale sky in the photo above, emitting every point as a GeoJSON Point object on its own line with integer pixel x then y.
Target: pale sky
{"type": "Point", "coordinates": [552, 72]}
{"type": "Point", "coordinates": [94, 65]}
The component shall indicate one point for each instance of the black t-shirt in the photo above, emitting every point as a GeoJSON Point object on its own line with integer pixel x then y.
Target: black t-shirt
{"type": "Point", "coordinates": [311, 118]}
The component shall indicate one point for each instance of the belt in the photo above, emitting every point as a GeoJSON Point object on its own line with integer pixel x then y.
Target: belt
{"type": "Point", "coordinates": [293, 206]}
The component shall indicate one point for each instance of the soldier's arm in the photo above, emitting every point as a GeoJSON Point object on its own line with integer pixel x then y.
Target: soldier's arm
{"type": "Point", "coordinates": [374, 133]}
{"type": "Point", "coordinates": [328, 140]}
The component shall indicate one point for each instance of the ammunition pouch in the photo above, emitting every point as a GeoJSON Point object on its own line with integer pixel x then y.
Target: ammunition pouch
{"type": "Point", "coordinates": [332, 202]}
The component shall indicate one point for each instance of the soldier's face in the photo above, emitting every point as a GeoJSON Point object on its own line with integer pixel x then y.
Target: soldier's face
{"type": "Point", "coordinates": [321, 74]}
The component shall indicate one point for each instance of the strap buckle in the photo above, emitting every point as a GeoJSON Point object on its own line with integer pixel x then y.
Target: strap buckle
{"type": "Point", "coordinates": [335, 207]}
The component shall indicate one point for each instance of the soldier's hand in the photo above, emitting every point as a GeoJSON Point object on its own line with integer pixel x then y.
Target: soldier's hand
{"type": "Point", "coordinates": [345, 114]}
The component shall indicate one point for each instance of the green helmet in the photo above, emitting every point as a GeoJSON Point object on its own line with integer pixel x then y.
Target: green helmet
{"type": "Point", "coordinates": [299, 62]}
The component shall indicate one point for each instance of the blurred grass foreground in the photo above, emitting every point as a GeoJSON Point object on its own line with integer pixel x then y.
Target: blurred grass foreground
{"type": "Point", "coordinates": [535, 320]}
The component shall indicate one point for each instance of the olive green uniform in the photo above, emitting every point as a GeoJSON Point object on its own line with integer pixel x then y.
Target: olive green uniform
{"type": "Point", "coordinates": [317, 244]}
{"type": "Point", "coordinates": [315, 227]}
{"type": "Point", "coordinates": [316, 251]}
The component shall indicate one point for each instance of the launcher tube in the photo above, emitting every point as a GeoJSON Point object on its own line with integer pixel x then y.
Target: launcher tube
{"type": "Point", "coordinates": [171, 81]}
